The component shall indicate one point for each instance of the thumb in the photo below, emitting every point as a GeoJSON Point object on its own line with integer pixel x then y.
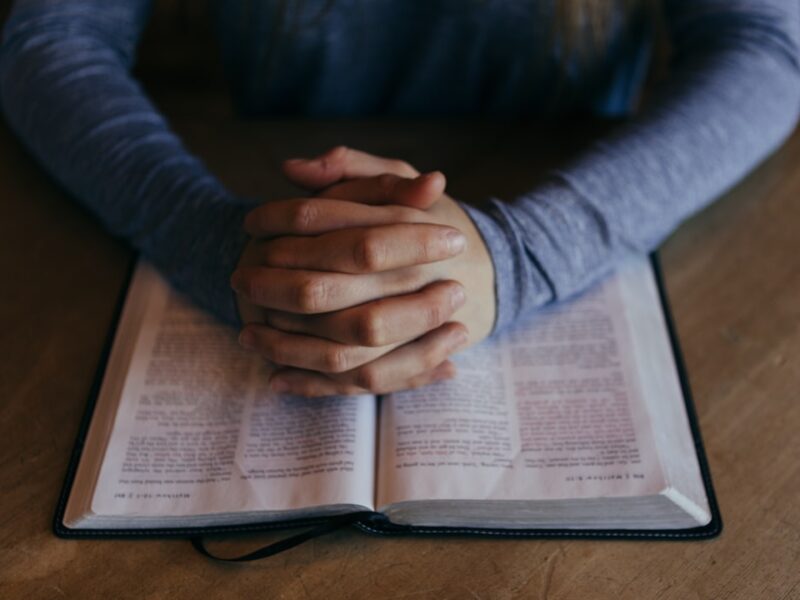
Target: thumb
{"type": "Point", "coordinates": [420, 192]}
{"type": "Point", "coordinates": [340, 163]}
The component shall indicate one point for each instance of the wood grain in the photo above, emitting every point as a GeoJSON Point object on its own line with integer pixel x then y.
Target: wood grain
{"type": "Point", "coordinates": [733, 275]}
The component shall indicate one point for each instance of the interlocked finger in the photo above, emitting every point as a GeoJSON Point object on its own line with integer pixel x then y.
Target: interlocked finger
{"type": "Point", "coordinates": [340, 163]}
{"type": "Point", "coordinates": [381, 322]}
{"type": "Point", "coordinates": [313, 384]}
{"type": "Point", "coordinates": [365, 249]}
{"type": "Point", "coordinates": [315, 216]}
{"type": "Point", "coordinates": [306, 352]}
{"type": "Point", "coordinates": [388, 188]}
{"type": "Point", "coordinates": [313, 292]}
{"type": "Point", "coordinates": [394, 370]}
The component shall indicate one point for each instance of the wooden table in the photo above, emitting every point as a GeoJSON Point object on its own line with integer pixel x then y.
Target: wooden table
{"type": "Point", "coordinates": [733, 274]}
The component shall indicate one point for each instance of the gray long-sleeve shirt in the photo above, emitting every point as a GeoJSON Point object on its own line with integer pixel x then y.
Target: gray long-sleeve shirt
{"type": "Point", "coordinates": [732, 96]}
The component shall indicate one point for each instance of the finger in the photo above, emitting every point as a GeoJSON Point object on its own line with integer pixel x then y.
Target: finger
{"type": "Point", "coordinates": [306, 352]}
{"type": "Point", "coordinates": [366, 249]}
{"type": "Point", "coordinates": [310, 384]}
{"type": "Point", "coordinates": [387, 188]}
{"type": "Point", "coordinates": [382, 322]}
{"type": "Point", "coordinates": [312, 292]}
{"type": "Point", "coordinates": [313, 384]}
{"type": "Point", "coordinates": [340, 163]}
{"type": "Point", "coordinates": [313, 216]}
{"type": "Point", "coordinates": [446, 370]}
{"type": "Point", "coordinates": [394, 370]}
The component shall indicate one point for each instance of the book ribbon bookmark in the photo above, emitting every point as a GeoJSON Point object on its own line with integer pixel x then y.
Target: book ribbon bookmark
{"type": "Point", "coordinates": [332, 524]}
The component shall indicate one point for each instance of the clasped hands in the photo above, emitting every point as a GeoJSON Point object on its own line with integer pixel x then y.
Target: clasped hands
{"type": "Point", "coordinates": [369, 285]}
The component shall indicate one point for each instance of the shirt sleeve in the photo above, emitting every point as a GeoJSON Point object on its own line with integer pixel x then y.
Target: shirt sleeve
{"type": "Point", "coordinates": [731, 98]}
{"type": "Point", "coordinates": [67, 91]}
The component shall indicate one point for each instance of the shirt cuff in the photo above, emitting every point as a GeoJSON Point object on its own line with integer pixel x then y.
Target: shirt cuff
{"type": "Point", "coordinates": [199, 260]}
{"type": "Point", "coordinates": [519, 282]}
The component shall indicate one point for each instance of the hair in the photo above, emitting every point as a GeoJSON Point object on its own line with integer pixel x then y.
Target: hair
{"type": "Point", "coordinates": [583, 29]}
{"type": "Point", "coordinates": [581, 26]}
{"type": "Point", "coordinates": [580, 34]}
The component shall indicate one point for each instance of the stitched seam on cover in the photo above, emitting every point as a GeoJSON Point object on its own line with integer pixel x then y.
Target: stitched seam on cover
{"type": "Point", "coordinates": [542, 533]}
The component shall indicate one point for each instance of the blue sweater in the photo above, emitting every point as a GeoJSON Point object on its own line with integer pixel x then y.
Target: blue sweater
{"type": "Point", "coordinates": [731, 98]}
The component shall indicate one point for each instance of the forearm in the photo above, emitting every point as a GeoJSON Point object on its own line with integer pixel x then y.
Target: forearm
{"type": "Point", "coordinates": [731, 99]}
{"type": "Point", "coordinates": [67, 92]}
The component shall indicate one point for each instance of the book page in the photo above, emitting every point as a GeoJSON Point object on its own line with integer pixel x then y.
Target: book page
{"type": "Point", "coordinates": [197, 432]}
{"type": "Point", "coordinates": [658, 374]}
{"type": "Point", "coordinates": [552, 410]}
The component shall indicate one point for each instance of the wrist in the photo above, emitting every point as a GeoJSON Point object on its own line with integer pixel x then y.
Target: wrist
{"type": "Point", "coordinates": [197, 250]}
{"type": "Point", "coordinates": [519, 282]}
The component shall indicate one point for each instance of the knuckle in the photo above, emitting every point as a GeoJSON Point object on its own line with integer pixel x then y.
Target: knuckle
{"type": "Point", "coordinates": [333, 157]}
{"type": "Point", "coordinates": [368, 378]}
{"type": "Point", "coordinates": [430, 247]}
{"type": "Point", "coordinates": [433, 354]}
{"type": "Point", "coordinates": [460, 330]}
{"type": "Point", "coordinates": [403, 214]}
{"type": "Point", "coordinates": [304, 389]}
{"type": "Point", "coordinates": [413, 278]}
{"type": "Point", "coordinates": [304, 214]}
{"type": "Point", "coordinates": [253, 221]}
{"type": "Point", "coordinates": [433, 315]}
{"type": "Point", "coordinates": [418, 383]}
{"type": "Point", "coordinates": [336, 360]}
{"type": "Point", "coordinates": [369, 329]}
{"type": "Point", "coordinates": [459, 337]}
{"type": "Point", "coordinates": [369, 253]}
{"type": "Point", "coordinates": [339, 151]}
{"type": "Point", "coordinates": [312, 295]}
{"type": "Point", "coordinates": [348, 390]}
{"type": "Point", "coordinates": [272, 255]}
{"type": "Point", "coordinates": [272, 352]}
{"type": "Point", "coordinates": [245, 284]}
{"type": "Point", "coordinates": [285, 322]}
{"type": "Point", "coordinates": [401, 167]}
{"type": "Point", "coordinates": [386, 183]}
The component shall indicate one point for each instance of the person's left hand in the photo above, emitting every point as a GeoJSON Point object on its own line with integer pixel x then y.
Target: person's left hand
{"type": "Point", "coordinates": [380, 345]}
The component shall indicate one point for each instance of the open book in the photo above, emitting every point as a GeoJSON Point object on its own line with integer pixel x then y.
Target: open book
{"type": "Point", "coordinates": [575, 421]}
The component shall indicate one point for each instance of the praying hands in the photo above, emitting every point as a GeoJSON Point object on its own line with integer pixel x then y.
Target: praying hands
{"type": "Point", "coordinates": [366, 287]}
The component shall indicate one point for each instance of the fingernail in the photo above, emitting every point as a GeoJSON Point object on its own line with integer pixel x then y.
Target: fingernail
{"type": "Point", "coordinates": [455, 241]}
{"type": "Point", "coordinates": [294, 161]}
{"type": "Point", "coordinates": [278, 385]}
{"type": "Point", "coordinates": [457, 297]}
{"type": "Point", "coordinates": [460, 339]}
{"type": "Point", "coordinates": [236, 283]}
{"type": "Point", "coordinates": [445, 371]}
{"type": "Point", "coordinates": [432, 175]}
{"type": "Point", "coordinates": [247, 339]}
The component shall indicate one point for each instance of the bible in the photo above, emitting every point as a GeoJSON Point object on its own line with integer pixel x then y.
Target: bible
{"type": "Point", "coordinates": [578, 423]}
